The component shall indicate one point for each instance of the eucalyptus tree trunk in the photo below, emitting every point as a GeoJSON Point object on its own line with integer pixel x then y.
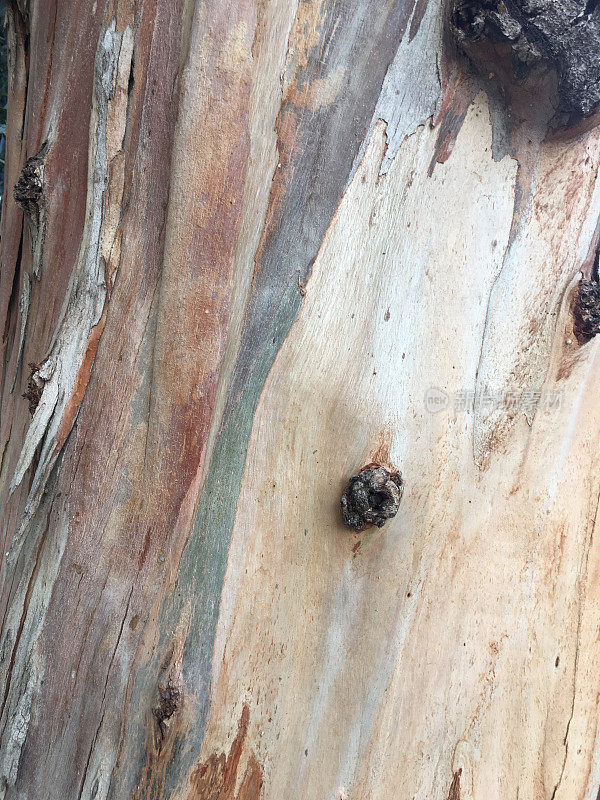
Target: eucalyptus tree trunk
{"type": "Point", "coordinates": [248, 248]}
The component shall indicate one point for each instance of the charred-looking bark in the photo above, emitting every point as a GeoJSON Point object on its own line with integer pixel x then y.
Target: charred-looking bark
{"type": "Point", "coordinates": [371, 497]}
{"type": "Point", "coordinates": [563, 35]}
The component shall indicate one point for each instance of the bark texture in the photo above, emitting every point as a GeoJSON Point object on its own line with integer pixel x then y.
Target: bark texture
{"type": "Point", "coordinates": [561, 34]}
{"type": "Point", "coordinates": [253, 244]}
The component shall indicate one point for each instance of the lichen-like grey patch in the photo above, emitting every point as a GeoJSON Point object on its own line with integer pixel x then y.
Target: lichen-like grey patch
{"type": "Point", "coordinates": [371, 497]}
{"type": "Point", "coordinates": [563, 35]}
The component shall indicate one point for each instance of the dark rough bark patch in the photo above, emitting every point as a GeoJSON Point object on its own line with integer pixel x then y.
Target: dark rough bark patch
{"type": "Point", "coordinates": [563, 35]}
{"type": "Point", "coordinates": [371, 497]}
{"type": "Point", "coordinates": [586, 310]}
{"type": "Point", "coordinates": [29, 189]}
{"type": "Point", "coordinates": [29, 194]}
{"type": "Point", "coordinates": [35, 387]}
{"type": "Point", "coordinates": [170, 700]}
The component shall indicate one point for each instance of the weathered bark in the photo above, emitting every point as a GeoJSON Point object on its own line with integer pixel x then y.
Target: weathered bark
{"type": "Point", "coordinates": [252, 246]}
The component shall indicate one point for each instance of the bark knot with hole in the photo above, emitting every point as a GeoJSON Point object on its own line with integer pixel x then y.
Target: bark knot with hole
{"type": "Point", "coordinates": [372, 497]}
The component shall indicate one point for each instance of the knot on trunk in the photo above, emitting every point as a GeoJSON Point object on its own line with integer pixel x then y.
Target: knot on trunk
{"type": "Point", "coordinates": [35, 387]}
{"type": "Point", "coordinates": [513, 36]}
{"type": "Point", "coordinates": [586, 310]}
{"type": "Point", "coordinates": [170, 699]}
{"type": "Point", "coordinates": [371, 497]}
{"type": "Point", "coordinates": [29, 189]}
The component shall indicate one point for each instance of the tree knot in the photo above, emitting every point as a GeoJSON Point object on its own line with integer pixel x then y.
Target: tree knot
{"type": "Point", "coordinates": [169, 702]}
{"type": "Point", "coordinates": [35, 387]}
{"type": "Point", "coordinates": [29, 188]}
{"type": "Point", "coordinates": [586, 310]}
{"type": "Point", "coordinates": [371, 497]}
{"type": "Point", "coordinates": [563, 35]}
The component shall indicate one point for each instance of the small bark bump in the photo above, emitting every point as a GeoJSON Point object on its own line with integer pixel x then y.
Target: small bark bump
{"type": "Point", "coordinates": [372, 497]}
{"type": "Point", "coordinates": [586, 310]}
{"type": "Point", "coordinates": [170, 700]}
{"type": "Point", "coordinates": [29, 188]}
{"type": "Point", "coordinates": [35, 387]}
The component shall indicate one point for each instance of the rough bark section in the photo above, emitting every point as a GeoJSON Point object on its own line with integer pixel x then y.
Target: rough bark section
{"type": "Point", "coordinates": [75, 340]}
{"type": "Point", "coordinates": [28, 193]}
{"type": "Point", "coordinates": [562, 34]}
{"type": "Point", "coordinates": [85, 572]}
{"type": "Point", "coordinates": [26, 585]}
{"type": "Point", "coordinates": [64, 203]}
{"type": "Point", "coordinates": [14, 259]}
{"type": "Point", "coordinates": [156, 433]}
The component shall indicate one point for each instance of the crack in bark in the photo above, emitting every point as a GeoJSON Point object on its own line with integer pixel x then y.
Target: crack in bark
{"type": "Point", "coordinates": [12, 302]}
{"type": "Point", "coordinates": [24, 305]}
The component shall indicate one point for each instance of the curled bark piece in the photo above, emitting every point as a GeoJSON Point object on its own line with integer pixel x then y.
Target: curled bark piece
{"type": "Point", "coordinates": [371, 497]}
{"type": "Point", "coordinates": [562, 35]}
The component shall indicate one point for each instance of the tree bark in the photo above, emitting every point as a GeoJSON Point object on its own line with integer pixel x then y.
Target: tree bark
{"type": "Point", "coordinates": [249, 248]}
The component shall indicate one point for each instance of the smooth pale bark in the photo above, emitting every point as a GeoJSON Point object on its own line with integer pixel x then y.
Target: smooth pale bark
{"type": "Point", "coordinates": [265, 232]}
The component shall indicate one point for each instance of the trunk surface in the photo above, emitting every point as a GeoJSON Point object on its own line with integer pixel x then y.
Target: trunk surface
{"type": "Point", "coordinates": [253, 246]}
